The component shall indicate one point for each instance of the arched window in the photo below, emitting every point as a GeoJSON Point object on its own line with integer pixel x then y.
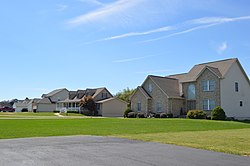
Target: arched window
{"type": "Point", "coordinates": [191, 92]}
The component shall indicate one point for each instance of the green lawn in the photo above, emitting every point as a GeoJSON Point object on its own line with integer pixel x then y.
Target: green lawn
{"type": "Point", "coordinates": [229, 137]}
{"type": "Point", "coordinates": [31, 114]}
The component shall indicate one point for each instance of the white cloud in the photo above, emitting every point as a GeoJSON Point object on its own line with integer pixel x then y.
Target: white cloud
{"type": "Point", "coordinates": [222, 47]}
{"type": "Point", "coordinates": [133, 59]}
{"type": "Point", "coordinates": [112, 9]}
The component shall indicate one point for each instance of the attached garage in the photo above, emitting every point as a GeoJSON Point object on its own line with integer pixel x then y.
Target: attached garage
{"type": "Point", "coordinates": [112, 107]}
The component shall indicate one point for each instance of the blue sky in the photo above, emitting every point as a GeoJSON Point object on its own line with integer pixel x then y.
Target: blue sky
{"type": "Point", "coordinates": [77, 44]}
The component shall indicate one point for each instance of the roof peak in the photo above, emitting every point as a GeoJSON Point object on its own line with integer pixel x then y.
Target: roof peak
{"type": "Point", "coordinates": [216, 61]}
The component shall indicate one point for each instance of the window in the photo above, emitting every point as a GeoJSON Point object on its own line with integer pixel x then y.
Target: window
{"type": "Point", "coordinates": [236, 87]}
{"type": "Point", "coordinates": [150, 88]}
{"type": "Point", "coordinates": [208, 104]}
{"type": "Point", "coordinates": [191, 92]}
{"type": "Point", "coordinates": [241, 103]}
{"type": "Point", "coordinates": [158, 107]}
{"type": "Point", "coordinates": [139, 106]}
{"type": "Point", "coordinates": [104, 95]}
{"type": "Point", "coordinates": [98, 106]}
{"type": "Point", "coordinates": [208, 85]}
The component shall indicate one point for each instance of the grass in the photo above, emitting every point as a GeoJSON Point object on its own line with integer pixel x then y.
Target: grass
{"type": "Point", "coordinates": [31, 114]}
{"type": "Point", "coordinates": [223, 136]}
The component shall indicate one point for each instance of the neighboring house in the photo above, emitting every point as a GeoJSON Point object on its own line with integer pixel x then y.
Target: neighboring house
{"type": "Point", "coordinates": [21, 104]}
{"type": "Point", "coordinates": [72, 102]}
{"type": "Point", "coordinates": [112, 107]}
{"type": "Point", "coordinates": [48, 101]}
{"type": "Point", "coordinates": [221, 83]}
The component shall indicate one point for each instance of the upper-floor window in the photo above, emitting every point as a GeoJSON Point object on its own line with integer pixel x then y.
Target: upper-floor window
{"type": "Point", "coordinates": [139, 106]}
{"type": "Point", "coordinates": [191, 92]}
{"type": "Point", "coordinates": [208, 85]}
{"type": "Point", "coordinates": [150, 87]}
{"type": "Point", "coordinates": [104, 95]}
{"type": "Point", "coordinates": [158, 107]}
{"type": "Point", "coordinates": [208, 104]}
{"type": "Point", "coordinates": [236, 87]}
{"type": "Point", "coordinates": [241, 103]}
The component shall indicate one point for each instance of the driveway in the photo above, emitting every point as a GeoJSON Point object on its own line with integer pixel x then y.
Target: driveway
{"type": "Point", "coordinates": [107, 151]}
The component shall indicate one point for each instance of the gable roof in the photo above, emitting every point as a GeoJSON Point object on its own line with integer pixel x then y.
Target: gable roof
{"type": "Point", "coordinates": [45, 101]}
{"type": "Point", "coordinates": [54, 92]}
{"type": "Point", "coordinates": [219, 68]}
{"type": "Point", "coordinates": [169, 86]}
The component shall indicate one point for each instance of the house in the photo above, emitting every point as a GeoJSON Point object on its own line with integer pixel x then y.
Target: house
{"type": "Point", "coordinates": [21, 104]}
{"type": "Point", "coordinates": [72, 102]}
{"type": "Point", "coordinates": [48, 101]}
{"type": "Point", "coordinates": [221, 83]}
{"type": "Point", "coordinates": [111, 107]}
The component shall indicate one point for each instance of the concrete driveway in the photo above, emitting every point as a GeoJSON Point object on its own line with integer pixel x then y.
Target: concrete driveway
{"type": "Point", "coordinates": [107, 151]}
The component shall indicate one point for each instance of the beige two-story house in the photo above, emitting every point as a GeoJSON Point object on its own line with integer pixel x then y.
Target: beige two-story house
{"type": "Point", "coordinates": [221, 83]}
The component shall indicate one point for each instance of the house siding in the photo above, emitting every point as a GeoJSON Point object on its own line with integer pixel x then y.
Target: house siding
{"type": "Point", "coordinates": [60, 96]}
{"type": "Point", "coordinates": [230, 100]}
{"type": "Point", "coordinates": [113, 108]}
{"type": "Point", "coordinates": [100, 97]}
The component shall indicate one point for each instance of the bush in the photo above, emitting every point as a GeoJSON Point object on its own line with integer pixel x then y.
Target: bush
{"type": "Point", "coordinates": [128, 110]}
{"type": "Point", "coordinates": [72, 112]}
{"type": "Point", "coordinates": [170, 115]}
{"type": "Point", "coordinates": [157, 115]}
{"type": "Point", "coordinates": [55, 111]}
{"type": "Point", "coordinates": [218, 114]}
{"type": "Point", "coordinates": [24, 110]}
{"type": "Point", "coordinates": [132, 115]}
{"type": "Point", "coordinates": [196, 114]}
{"type": "Point", "coordinates": [141, 115]}
{"type": "Point", "coordinates": [163, 115]}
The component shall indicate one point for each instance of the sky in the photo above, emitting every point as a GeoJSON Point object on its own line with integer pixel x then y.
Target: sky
{"type": "Point", "coordinates": [79, 44]}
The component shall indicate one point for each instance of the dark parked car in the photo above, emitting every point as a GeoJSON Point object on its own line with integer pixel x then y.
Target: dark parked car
{"type": "Point", "coordinates": [7, 109]}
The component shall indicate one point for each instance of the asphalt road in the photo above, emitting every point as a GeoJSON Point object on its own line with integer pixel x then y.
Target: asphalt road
{"type": "Point", "coordinates": [107, 151]}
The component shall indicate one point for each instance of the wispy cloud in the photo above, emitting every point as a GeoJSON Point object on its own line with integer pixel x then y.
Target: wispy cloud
{"type": "Point", "coordinates": [202, 23]}
{"type": "Point", "coordinates": [94, 2]}
{"type": "Point", "coordinates": [153, 71]}
{"type": "Point", "coordinates": [222, 47]}
{"type": "Point", "coordinates": [112, 9]}
{"type": "Point", "coordinates": [61, 7]}
{"type": "Point", "coordinates": [158, 30]}
{"type": "Point", "coordinates": [133, 59]}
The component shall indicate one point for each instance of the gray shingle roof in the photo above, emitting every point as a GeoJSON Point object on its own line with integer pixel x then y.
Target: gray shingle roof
{"type": "Point", "coordinates": [54, 92]}
{"type": "Point", "coordinates": [169, 86]}
{"type": "Point", "coordinates": [219, 68]}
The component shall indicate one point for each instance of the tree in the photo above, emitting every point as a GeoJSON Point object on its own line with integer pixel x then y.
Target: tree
{"type": "Point", "coordinates": [88, 106]}
{"type": "Point", "coordinates": [125, 94]}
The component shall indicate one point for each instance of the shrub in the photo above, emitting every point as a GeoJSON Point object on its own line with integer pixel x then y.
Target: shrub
{"type": "Point", "coordinates": [72, 112]}
{"type": "Point", "coordinates": [141, 115]}
{"type": "Point", "coordinates": [196, 114]}
{"type": "Point", "coordinates": [157, 115]}
{"type": "Point", "coordinates": [132, 115]}
{"type": "Point", "coordinates": [170, 115]}
{"type": "Point", "coordinates": [128, 110]}
{"type": "Point", "coordinates": [55, 111]}
{"type": "Point", "coordinates": [24, 110]}
{"type": "Point", "coordinates": [163, 115]}
{"type": "Point", "coordinates": [218, 114]}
